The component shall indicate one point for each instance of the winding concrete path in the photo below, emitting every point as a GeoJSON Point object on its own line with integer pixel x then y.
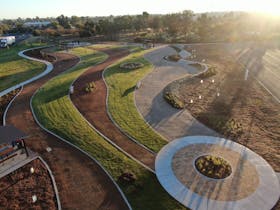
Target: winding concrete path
{"type": "Point", "coordinates": [94, 108]}
{"type": "Point", "coordinates": [168, 121]}
{"type": "Point", "coordinates": [81, 182]}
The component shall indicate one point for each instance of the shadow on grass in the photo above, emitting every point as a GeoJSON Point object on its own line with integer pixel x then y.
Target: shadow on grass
{"type": "Point", "coordinates": [128, 91]}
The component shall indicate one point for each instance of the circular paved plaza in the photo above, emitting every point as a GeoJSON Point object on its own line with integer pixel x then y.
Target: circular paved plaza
{"type": "Point", "coordinates": [252, 183]}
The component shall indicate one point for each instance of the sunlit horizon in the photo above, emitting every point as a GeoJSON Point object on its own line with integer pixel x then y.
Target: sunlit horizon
{"type": "Point", "coordinates": [31, 8]}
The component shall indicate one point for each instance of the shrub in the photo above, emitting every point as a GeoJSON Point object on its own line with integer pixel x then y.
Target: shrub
{"type": "Point", "coordinates": [175, 57]}
{"type": "Point", "coordinates": [173, 100]}
{"type": "Point", "coordinates": [212, 70]}
{"type": "Point", "coordinates": [131, 65]}
{"type": "Point", "coordinates": [213, 167]}
{"type": "Point", "coordinates": [90, 87]}
{"type": "Point", "coordinates": [127, 178]}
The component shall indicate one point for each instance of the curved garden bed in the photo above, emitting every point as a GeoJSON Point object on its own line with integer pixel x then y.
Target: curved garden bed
{"type": "Point", "coordinates": [176, 93]}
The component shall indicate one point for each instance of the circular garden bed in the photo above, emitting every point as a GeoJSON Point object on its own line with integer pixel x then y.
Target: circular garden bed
{"type": "Point", "coordinates": [213, 167]}
{"type": "Point", "coordinates": [131, 65]}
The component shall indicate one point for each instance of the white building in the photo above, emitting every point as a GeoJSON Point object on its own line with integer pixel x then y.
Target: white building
{"type": "Point", "coordinates": [36, 24]}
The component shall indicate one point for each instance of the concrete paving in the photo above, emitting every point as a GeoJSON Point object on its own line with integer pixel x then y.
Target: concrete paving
{"type": "Point", "coordinates": [170, 122]}
{"type": "Point", "coordinates": [263, 195]}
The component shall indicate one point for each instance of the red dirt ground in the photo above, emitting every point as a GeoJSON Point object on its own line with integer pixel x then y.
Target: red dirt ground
{"type": "Point", "coordinates": [81, 183]}
{"type": "Point", "coordinates": [18, 187]}
{"type": "Point", "coordinates": [93, 107]}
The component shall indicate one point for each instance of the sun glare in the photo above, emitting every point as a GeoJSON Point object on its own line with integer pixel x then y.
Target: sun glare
{"type": "Point", "coordinates": [266, 7]}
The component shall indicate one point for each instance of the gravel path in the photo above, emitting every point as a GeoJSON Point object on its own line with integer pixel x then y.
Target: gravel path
{"type": "Point", "coordinates": [81, 183]}
{"type": "Point", "coordinates": [93, 108]}
{"type": "Point", "coordinates": [168, 121]}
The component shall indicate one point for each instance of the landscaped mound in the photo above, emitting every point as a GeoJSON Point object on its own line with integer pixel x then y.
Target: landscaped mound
{"type": "Point", "coordinates": [131, 65]}
{"type": "Point", "coordinates": [213, 167]}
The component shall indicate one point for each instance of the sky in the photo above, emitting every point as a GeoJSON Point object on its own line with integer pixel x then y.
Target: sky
{"type": "Point", "coordinates": [53, 8]}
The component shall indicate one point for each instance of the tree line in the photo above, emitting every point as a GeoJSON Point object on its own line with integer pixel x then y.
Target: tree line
{"type": "Point", "coordinates": [184, 26]}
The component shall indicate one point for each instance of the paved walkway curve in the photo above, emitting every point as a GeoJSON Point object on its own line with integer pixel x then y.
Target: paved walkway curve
{"type": "Point", "coordinates": [93, 108]}
{"type": "Point", "coordinates": [252, 185]}
{"type": "Point", "coordinates": [81, 182]}
{"type": "Point", "coordinates": [168, 121]}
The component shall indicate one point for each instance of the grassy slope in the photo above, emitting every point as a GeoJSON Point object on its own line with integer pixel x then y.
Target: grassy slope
{"type": "Point", "coordinates": [56, 112]}
{"type": "Point", "coordinates": [15, 69]}
{"type": "Point", "coordinates": [121, 101]}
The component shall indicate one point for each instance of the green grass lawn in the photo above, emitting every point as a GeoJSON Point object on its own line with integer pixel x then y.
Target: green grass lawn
{"type": "Point", "coordinates": [121, 105]}
{"type": "Point", "coordinates": [57, 113]}
{"type": "Point", "coordinates": [15, 69]}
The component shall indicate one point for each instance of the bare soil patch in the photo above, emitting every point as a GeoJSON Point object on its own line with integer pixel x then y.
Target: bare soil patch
{"type": "Point", "coordinates": [240, 110]}
{"type": "Point", "coordinates": [17, 188]}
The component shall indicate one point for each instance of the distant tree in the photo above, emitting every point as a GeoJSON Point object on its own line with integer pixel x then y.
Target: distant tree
{"type": "Point", "coordinates": [63, 21]}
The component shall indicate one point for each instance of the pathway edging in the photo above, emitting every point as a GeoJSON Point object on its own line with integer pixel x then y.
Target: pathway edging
{"type": "Point", "coordinates": [47, 70]}
{"type": "Point", "coordinates": [53, 182]}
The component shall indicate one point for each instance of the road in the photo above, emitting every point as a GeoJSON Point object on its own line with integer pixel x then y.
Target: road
{"type": "Point", "coordinates": [264, 65]}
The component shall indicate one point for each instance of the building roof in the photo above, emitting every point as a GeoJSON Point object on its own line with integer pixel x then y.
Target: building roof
{"type": "Point", "coordinates": [10, 133]}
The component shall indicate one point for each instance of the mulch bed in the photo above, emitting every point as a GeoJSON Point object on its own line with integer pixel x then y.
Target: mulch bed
{"type": "Point", "coordinates": [240, 110]}
{"type": "Point", "coordinates": [17, 188]}
{"type": "Point", "coordinates": [4, 101]}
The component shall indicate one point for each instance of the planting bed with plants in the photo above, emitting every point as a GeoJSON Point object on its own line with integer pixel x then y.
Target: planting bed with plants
{"type": "Point", "coordinates": [174, 58]}
{"type": "Point", "coordinates": [241, 110]}
{"type": "Point", "coordinates": [17, 188]}
{"type": "Point", "coordinates": [213, 167]}
{"type": "Point", "coordinates": [131, 65]}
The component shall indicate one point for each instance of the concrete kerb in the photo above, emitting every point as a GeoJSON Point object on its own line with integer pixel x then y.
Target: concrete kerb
{"type": "Point", "coordinates": [53, 182]}
{"type": "Point", "coordinates": [47, 70]}
{"type": "Point", "coordinates": [10, 103]}
{"type": "Point", "coordinates": [105, 137]}
{"type": "Point", "coordinates": [87, 154]}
